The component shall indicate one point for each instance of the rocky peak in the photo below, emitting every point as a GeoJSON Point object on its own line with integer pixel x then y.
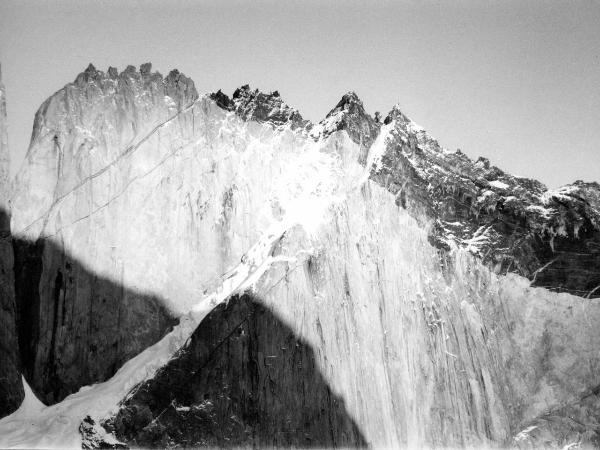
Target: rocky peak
{"type": "Point", "coordinates": [89, 74]}
{"type": "Point", "coordinates": [350, 101]}
{"type": "Point", "coordinates": [177, 86]}
{"type": "Point", "coordinates": [514, 223]}
{"type": "Point", "coordinates": [180, 87]}
{"type": "Point", "coordinates": [259, 106]}
{"type": "Point", "coordinates": [96, 96]}
{"type": "Point", "coordinates": [222, 100]}
{"type": "Point", "coordinates": [350, 115]}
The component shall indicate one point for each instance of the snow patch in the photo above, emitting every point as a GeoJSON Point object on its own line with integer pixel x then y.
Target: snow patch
{"type": "Point", "coordinates": [499, 184]}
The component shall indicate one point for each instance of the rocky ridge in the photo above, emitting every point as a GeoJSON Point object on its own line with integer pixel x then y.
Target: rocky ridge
{"type": "Point", "coordinates": [514, 224]}
{"type": "Point", "coordinates": [260, 107]}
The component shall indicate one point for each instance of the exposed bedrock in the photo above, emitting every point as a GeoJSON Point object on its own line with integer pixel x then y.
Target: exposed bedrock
{"type": "Point", "coordinates": [514, 224]}
{"type": "Point", "coordinates": [245, 379]}
{"type": "Point", "coordinates": [76, 327]}
{"type": "Point", "coordinates": [11, 388]}
{"type": "Point", "coordinates": [419, 356]}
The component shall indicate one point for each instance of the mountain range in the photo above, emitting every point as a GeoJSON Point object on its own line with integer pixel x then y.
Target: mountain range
{"type": "Point", "coordinates": [211, 270]}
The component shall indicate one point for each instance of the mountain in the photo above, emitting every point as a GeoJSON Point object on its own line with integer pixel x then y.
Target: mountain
{"type": "Point", "coordinates": [220, 271]}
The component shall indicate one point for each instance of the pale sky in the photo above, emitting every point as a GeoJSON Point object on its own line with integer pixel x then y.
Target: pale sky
{"type": "Point", "coordinates": [515, 81]}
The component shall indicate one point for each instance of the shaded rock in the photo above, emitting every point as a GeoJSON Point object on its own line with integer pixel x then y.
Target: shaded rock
{"type": "Point", "coordinates": [222, 100]}
{"type": "Point", "coordinates": [76, 327]}
{"type": "Point", "coordinates": [349, 115]}
{"type": "Point", "coordinates": [11, 388]}
{"type": "Point", "coordinates": [514, 224]}
{"type": "Point", "coordinates": [262, 107]}
{"type": "Point", "coordinates": [244, 380]}
{"type": "Point", "coordinates": [94, 436]}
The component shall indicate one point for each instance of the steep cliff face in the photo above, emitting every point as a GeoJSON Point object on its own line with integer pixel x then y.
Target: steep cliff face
{"type": "Point", "coordinates": [418, 357]}
{"type": "Point", "coordinates": [514, 224]}
{"type": "Point", "coordinates": [244, 379]}
{"type": "Point", "coordinates": [76, 326]}
{"type": "Point", "coordinates": [11, 389]}
{"type": "Point", "coordinates": [392, 298]}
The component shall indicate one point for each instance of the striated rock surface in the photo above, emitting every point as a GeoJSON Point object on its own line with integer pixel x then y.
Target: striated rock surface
{"type": "Point", "coordinates": [78, 326]}
{"type": "Point", "coordinates": [513, 224]}
{"type": "Point", "coordinates": [11, 389]}
{"type": "Point", "coordinates": [430, 300]}
{"type": "Point", "coordinates": [245, 379]}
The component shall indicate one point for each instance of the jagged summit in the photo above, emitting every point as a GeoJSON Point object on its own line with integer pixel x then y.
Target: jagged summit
{"type": "Point", "coordinates": [96, 97]}
{"type": "Point", "coordinates": [145, 72]}
{"type": "Point", "coordinates": [514, 224]}
{"type": "Point", "coordinates": [350, 115]}
{"type": "Point", "coordinates": [259, 106]}
{"type": "Point", "coordinates": [177, 86]}
{"type": "Point", "coordinates": [348, 100]}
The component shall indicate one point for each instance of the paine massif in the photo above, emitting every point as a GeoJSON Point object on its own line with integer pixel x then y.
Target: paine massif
{"type": "Point", "coordinates": [183, 271]}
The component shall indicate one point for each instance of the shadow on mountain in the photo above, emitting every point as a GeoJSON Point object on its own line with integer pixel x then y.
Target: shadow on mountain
{"type": "Point", "coordinates": [11, 388]}
{"type": "Point", "coordinates": [243, 380]}
{"type": "Point", "coordinates": [74, 327]}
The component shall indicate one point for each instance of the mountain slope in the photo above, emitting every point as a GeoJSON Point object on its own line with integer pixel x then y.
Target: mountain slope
{"type": "Point", "coordinates": [440, 300]}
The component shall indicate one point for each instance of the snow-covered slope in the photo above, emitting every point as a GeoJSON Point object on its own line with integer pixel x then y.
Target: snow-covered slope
{"type": "Point", "coordinates": [401, 272]}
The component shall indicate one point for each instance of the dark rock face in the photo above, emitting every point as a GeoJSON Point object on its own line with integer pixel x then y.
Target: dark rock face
{"type": "Point", "coordinates": [75, 327]}
{"type": "Point", "coordinates": [350, 115]}
{"type": "Point", "coordinates": [94, 436]}
{"type": "Point", "coordinates": [260, 107]}
{"type": "Point", "coordinates": [11, 388]}
{"type": "Point", "coordinates": [513, 224]}
{"type": "Point", "coordinates": [244, 380]}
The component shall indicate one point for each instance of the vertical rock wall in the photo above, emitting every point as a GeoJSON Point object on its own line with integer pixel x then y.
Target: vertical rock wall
{"type": "Point", "coordinates": [421, 354]}
{"type": "Point", "coordinates": [78, 323]}
{"type": "Point", "coordinates": [11, 389]}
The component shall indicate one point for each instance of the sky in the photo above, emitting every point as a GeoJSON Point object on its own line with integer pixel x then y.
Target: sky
{"type": "Point", "coordinates": [515, 81]}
